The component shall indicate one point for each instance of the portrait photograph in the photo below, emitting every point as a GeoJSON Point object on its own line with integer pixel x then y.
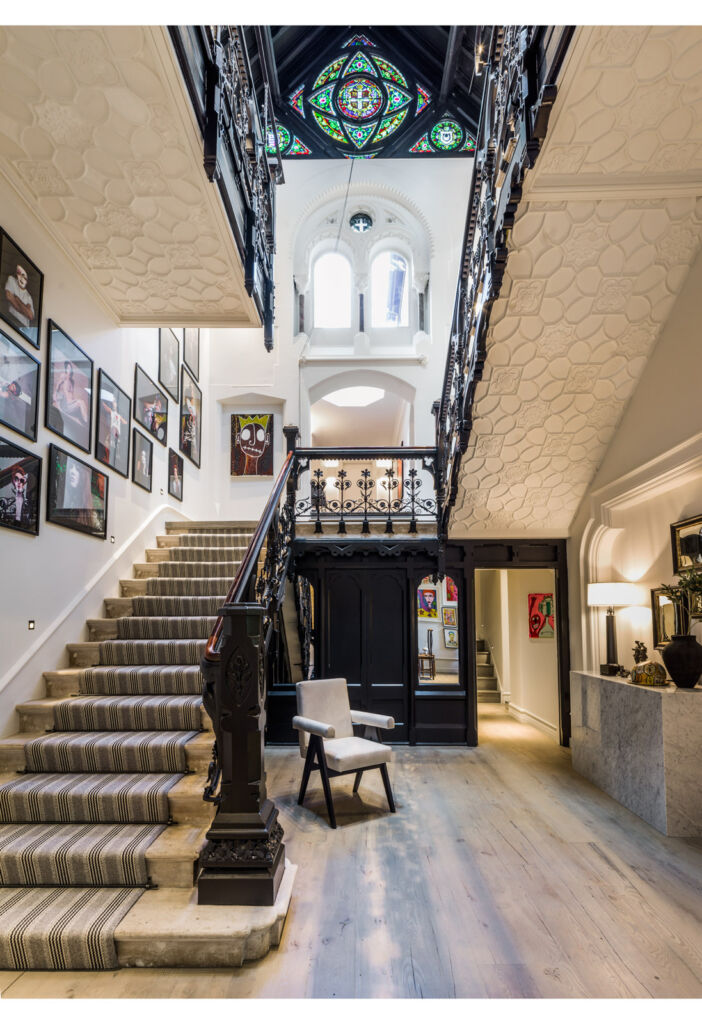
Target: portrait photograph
{"type": "Point", "coordinates": [114, 414]}
{"type": "Point", "coordinates": [175, 475]}
{"type": "Point", "coordinates": [22, 288]}
{"type": "Point", "coordinates": [190, 433]}
{"type": "Point", "coordinates": [150, 406]}
{"type": "Point", "coordinates": [252, 444]}
{"type": "Point", "coordinates": [448, 616]}
{"type": "Point", "coordinates": [168, 360]}
{"type": "Point", "coordinates": [191, 350]}
{"type": "Point", "coordinates": [76, 494]}
{"type": "Point", "coordinates": [142, 460]}
{"type": "Point", "coordinates": [20, 488]}
{"type": "Point", "coordinates": [69, 389]}
{"type": "Point", "coordinates": [19, 388]}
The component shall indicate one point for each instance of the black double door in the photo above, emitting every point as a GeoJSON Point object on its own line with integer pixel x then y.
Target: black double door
{"type": "Point", "coordinates": [365, 633]}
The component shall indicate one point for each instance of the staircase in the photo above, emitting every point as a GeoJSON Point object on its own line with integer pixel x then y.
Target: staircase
{"type": "Point", "coordinates": [488, 689]}
{"type": "Point", "coordinates": [101, 790]}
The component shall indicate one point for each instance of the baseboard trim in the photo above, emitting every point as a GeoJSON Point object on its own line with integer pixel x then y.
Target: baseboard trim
{"type": "Point", "coordinates": [529, 718]}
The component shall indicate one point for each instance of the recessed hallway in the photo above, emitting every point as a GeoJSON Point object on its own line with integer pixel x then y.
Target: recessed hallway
{"type": "Point", "coordinates": [503, 874]}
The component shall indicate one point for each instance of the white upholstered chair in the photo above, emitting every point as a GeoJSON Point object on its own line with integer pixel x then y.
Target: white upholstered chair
{"type": "Point", "coordinates": [327, 742]}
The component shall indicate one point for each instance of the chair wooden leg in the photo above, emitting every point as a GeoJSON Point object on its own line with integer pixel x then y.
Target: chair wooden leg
{"type": "Point", "coordinates": [306, 772]}
{"type": "Point", "coordinates": [388, 788]}
{"type": "Point", "coordinates": [327, 788]}
{"type": "Point", "coordinates": [357, 780]}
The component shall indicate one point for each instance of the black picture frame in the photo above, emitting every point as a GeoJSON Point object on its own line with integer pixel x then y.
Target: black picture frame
{"type": "Point", "coordinates": [190, 419]}
{"type": "Point", "coordinates": [20, 488]}
{"type": "Point", "coordinates": [146, 410]}
{"type": "Point", "coordinates": [20, 375]}
{"type": "Point", "coordinates": [191, 350]}
{"type": "Point", "coordinates": [168, 360]}
{"type": "Point", "coordinates": [141, 444]}
{"type": "Point", "coordinates": [686, 543]}
{"type": "Point", "coordinates": [10, 257]}
{"type": "Point", "coordinates": [175, 475]}
{"type": "Point", "coordinates": [112, 425]}
{"type": "Point", "coordinates": [68, 411]}
{"type": "Point", "coordinates": [76, 494]}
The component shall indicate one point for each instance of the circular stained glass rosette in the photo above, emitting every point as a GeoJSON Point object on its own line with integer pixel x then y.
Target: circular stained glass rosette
{"type": "Point", "coordinates": [360, 98]}
{"type": "Point", "coordinates": [447, 135]}
{"type": "Point", "coordinates": [283, 139]}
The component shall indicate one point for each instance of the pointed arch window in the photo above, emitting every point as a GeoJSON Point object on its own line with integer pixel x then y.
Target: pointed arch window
{"type": "Point", "coordinates": [389, 291]}
{"type": "Point", "coordinates": [332, 291]}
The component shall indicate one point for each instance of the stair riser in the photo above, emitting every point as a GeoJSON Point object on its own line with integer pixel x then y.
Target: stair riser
{"type": "Point", "coordinates": [161, 628]}
{"type": "Point", "coordinates": [188, 570]}
{"type": "Point", "coordinates": [41, 720]}
{"type": "Point", "coordinates": [488, 697]}
{"type": "Point", "coordinates": [198, 753]}
{"type": "Point", "coordinates": [136, 652]}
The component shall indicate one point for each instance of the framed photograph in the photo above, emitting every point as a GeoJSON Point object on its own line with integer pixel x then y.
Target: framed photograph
{"type": "Point", "coordinates": [69, 389]}
{"type": "Point", "coordinates": [168, 360]}
{"type": "Point", "coordinates": [76, 494]}
{"type": "Point", "coordinates": [686, 542]}
{"type": "Point", "coordinates": [252, 444]}
{"type": "Point", "coordinates": [191, 350]}
{"type": "Point", "coordinates": [541, 617]}
{"type": "Point", "coordinates": [142, 460]}
{"type": "Point", "coordinates": [175, 475]}
{"type": "Point", "coordinates": [19, 388]}
{"type": "Point", "coordinates": [448, 616]}
{"type": "Point", "coordinates": [20, 488]}
{"type": "Point", "coordinates": [451, 638]}
{"type": "Point", "coordinates": [451, 590]}
{"type": "Point", "coordinates": [150, 406]}
{"type": "Point", "coordinates": [426, 603]}
{"type": "Point", "coordinates": [114, 414]}
{"type": "Point", "coordinates": [190, 434]}
{"type": "Point", "coordinates": [22, 290]}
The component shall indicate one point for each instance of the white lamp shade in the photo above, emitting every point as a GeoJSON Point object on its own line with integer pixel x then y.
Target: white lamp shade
{"type": "Point", "coordinates": [614, 595]}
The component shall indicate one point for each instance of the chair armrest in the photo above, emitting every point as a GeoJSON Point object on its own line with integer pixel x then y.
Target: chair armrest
{"type": "Point", "coordinates": [327, 732]}
{"type": "Point", "coordinates": [366, 718]}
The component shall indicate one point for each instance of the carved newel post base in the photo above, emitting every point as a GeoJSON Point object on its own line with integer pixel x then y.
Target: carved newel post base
{"type": "Point", "coordinates": [243, 859]}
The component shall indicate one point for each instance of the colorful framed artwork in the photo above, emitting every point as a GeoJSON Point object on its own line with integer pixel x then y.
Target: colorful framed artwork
{"type": "Point", "coordinates": [191, 350]}
{"type": "Point", "coordinates": [69, 389]}
{"type": "Point", "coordinates": [451, 590]}
{"type": "Point", "coordinates": [22, 290]}
{"type": "Point", "coordinates": [20, 488]}
{"type": "Point", "coordinates": [686, 542]}
{"type": "Point", "coordinates": [252, 444]}
{"type": "Point", "coordinates": [114, 414]}
{"type": "Point", "coordinates": [190, 434]}
{"type": "Point", "coordinates": [76, 495]}
{"type": "Point", "coordinates": [448, 616]}
{"type": "Point", "coordinates": [19, 388]}
{"type": "Point", "coordinates": [426, 603]}
{"type": "Point", "coordinates": [541, 617]}
{"type": "Point", "coordinates": [150, 406]}
{"type": "Point", "coordinates": [175, 475]}
{"type": "Point", "coordinates": [142, 460]}
{"type": "Point", "coordinates": [451, 638]}
{"type": "Point", "coordinates": [168, 359]}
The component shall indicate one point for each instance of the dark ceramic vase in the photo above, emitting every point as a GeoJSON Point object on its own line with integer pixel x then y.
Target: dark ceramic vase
{"type": "Point", "coordinates": [683, 659]}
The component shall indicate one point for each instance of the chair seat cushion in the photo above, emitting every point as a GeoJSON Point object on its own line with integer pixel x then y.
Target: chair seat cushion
{"type": "Point", "coordinates": [353, 752]}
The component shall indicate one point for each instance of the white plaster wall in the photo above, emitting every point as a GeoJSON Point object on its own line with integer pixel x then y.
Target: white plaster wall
{"type": "Point", "coordinates": [533, 663]}
{"type": "Point", "coordinates": [489, 620]}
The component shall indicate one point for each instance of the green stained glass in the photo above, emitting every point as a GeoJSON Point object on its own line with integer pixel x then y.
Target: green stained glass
{"type": "Point", "coordinates": [389, 125]}
{"type": "Point", "coordinates": [359, 99]}
{"type": "Point", "coordinates": [389, 71]}
{"type": "Point", "coordinates": [422, 145]}
{"type": "Point", "coordinates": [360, 133]}
{"type": "Point", "coordinates": [283, 139]}
{"type": "Point", "coordinates": [447, 135]}
{"type": "Point", "coordinates": [329, 125]}
{"type": "Point", "coordinates": [358, 41]}
{"type": "Point", "coordinates": [423, 99]}
{"type": "Point", "coordinates": [359, 65]}
{"type": "Point", "coordinates": [331, 72]}
{"type": "Point", "coordinates": [322, 100]}
{"type": "Point", "coordinates": [298, 148]}
{"type": "Point", "coordinates": [296, 101]}
{"type": "Point", "coordinates": [397, 98]}
{"type": "Point", "coordinates": [469, 144]}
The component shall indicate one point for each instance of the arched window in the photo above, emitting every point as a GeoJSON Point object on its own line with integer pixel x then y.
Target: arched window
{"type": "Point", "coordinates": [389, 291]}
{"type": "Point", "coordinates": [332, 291]}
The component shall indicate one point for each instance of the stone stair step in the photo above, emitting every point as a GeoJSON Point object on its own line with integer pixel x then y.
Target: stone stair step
{"type": "Point", "coordinates": [81, 655]}
{"type": "Point", "coordinates": [162, 605]}
{"type": "Point", "coordinates": [145, 570]}
{"type": "Point", "coordinates": [102, 629]}
{"type": "Point", "coordinates": [484, 670]}
{"type": "Point", "coordinates": [37, 716]}
{"type": "Point", "coordinates": [171, 859]}
{"type": "Point", "coordinates": [194, 570]}
{"type": "Point", "coordinates": [116, 607]}
{"type": "Point", "coordinates": [141, 652]}
{"type": "Point", "coordinates": [211, 526]}
{"type": "Point", "coordinates": [165, 627]}
{"type": "Point", "coordinates": [187, 586]}
{"type": "Point", "coordinates": [139, 680]}
{"type": "Point", "coordinates": [62, 682]}
{"type": "Point", "coordinates": [488, 696]}
{"type": "Point", "coordinates": [132, 588]}
{"type": "Point", "coordinates": [157, 555]}
{"type": "Point", "coordinates": [198, 752]}
{"type": "Point", "coordinates": [482, 657]}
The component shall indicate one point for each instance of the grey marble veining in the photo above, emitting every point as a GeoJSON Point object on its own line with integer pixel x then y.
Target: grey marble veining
{"type": "Point", "coordinates": [641, 745]}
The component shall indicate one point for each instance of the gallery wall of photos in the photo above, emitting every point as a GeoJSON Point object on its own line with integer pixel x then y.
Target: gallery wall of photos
{"type": "Point", "coordinates": [84, 407]}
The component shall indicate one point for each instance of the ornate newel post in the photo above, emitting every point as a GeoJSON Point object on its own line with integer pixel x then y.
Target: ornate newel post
{"type": "Point", "coordinates": [243, 859]}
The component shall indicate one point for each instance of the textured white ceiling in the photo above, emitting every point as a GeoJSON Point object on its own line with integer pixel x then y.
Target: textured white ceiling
{"type": "Point", "coordinates": [610, 224]}
{"type": "Point", "coordinates": [96, 132]}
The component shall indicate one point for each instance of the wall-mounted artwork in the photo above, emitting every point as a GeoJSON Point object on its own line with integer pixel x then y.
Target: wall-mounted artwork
{"type": "Point", "coordinates": [142, 459]}
{"type": "Point", "coordinates": [175, 475]}
{"type": "Point", "coordinates": [190, 417]}
{"type": "Point", "coordinates": [541, 617]}
{"type": "Point", "coordinates": [22, 286]}
{"type": "Point", "coordinates": [426, 603]}
{"type": "Point", "coordinates": [664, 618]}
{"type": "Point", "coordinates": [686, 542]}
{"type": "Point", "coordinates": [20, 488]}
{"type": "Point", "coordinates": [451, 638]}
{"type": "Point", "coordinates": [150, 406]}
{"type": "Point", "coordinates": [69, 389]}
{"type": "Point", "coordinates": [448, 616]}
{"type": "Point", "coordinates": [451, 589]}
{"type": "Point", "coordinates": [252, 444]}
{"type": "Point", "coordinates": [114, 414]}
{"type": "Point", "coordinates": [19, 388]}
{"type": "Point", "coordinates": [168, 360]}
{"type": "Point", "coordinates": [77, 494]}
{"type": "Point", "coordinates": [191, 350]}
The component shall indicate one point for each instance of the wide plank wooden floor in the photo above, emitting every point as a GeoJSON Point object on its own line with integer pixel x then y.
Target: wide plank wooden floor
{"type": "Point", "coordinates": [503, 874]}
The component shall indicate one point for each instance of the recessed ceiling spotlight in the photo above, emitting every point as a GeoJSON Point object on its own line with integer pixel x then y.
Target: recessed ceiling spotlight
{"type": "Point", "coordinates": [357, 397]}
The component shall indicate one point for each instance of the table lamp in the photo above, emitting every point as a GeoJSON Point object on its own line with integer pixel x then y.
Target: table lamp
{"type": "Point", "coordinates": [611, 596]}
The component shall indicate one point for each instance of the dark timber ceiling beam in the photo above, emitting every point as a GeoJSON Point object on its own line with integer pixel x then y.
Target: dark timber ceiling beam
{"type": "Point", "coordinates": [269, 67]}
{"type": "Point", "coordinates": [453, 49]}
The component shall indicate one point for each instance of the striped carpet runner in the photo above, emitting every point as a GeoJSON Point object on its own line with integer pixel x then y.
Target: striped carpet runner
{"type": "Point", "coordinates": [96, 793]}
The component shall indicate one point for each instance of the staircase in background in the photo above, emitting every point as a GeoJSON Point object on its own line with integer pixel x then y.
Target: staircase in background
{"type": "Point", "coordinates": [488, 688]}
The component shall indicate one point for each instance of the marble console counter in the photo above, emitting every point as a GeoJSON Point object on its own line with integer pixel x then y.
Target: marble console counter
{"type": "Point", "coordinates": [641, 745]}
